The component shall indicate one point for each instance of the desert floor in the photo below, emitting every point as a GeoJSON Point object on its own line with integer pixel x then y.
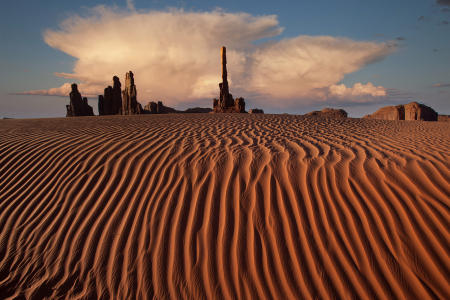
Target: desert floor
{"type": "Point", "coordinates": [224, 207]}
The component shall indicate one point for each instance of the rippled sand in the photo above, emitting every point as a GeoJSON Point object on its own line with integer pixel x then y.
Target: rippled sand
{"type": "Point", "coordinates": [224, 206]}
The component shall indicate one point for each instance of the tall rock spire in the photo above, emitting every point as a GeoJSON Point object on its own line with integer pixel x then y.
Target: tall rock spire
{"type": "Point", "coordinates": [223, 54]}
{"type": "Point", "coordinates": [225, 103]}
{"type": "Point", "coordinates": [130, 106]}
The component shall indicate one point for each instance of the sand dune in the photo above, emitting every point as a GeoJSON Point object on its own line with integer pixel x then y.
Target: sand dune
{"type": "Point", "coordinates": [224, 207]}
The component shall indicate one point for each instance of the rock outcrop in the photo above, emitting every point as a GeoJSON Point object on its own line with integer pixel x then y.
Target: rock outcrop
{"type": "Point", "coordinates": [158, 108]}
{"type": "Point", "coordinates": [225, 103]}
{"type": "Point", "coordinates": [388, 113]}
{"type": "Point", "coordinates": [198, 110]}
{"type": "Point", "coordinates": [78, 106]}
{"type": "Point", "coordinates": [410, 111]}
{"type": "Point", "coordinates": [328, 113]}
{"type": "Point", "coordinates": [417, 111]}
{"type": "Point", "coordinates": [256, 111]}
{"type": "Point", "coordinates": [130, 106]}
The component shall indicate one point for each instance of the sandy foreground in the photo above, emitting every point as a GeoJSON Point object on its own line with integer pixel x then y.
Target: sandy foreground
{"type": "Point", "coordinates": [224, 207]}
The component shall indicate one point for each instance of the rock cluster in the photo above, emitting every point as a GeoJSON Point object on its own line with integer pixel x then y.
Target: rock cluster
{"type": "Point", "coordinates": [78, 106]}
{"type": "Point", "coordinates": [328, 113]}
{"type": "Point", "coordinates": [114, 101]}
{"type": "Point", "coordinates": [111, 101]}
{"type": "Point", "coordinates": [225, 103]}
{"type": "Point", "coordinates": [410, 111]}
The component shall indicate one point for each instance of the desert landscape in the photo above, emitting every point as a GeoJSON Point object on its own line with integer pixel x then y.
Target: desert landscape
{"type": "Point", "coordinates": [224, 150]}
{"type": "Point", "coordinates": [224, 206]}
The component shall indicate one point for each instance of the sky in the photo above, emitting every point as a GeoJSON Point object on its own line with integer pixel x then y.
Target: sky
{"type": "Point", "coordinates": [283, 56]}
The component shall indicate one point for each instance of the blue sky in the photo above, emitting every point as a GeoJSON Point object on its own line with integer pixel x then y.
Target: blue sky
{"type": "Point", "coordinates": [418, 68]}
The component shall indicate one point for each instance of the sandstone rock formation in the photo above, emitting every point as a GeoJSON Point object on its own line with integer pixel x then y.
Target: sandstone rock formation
{"type": "Point", "coordinates": [158, 108]}
{"type": "Point", "coordinates": [256, 111]}
{"type": "Point", "coordinates": [388, 113]}
{"type": "Point", "coordinates": [111, 101]}
{"type": "Point", "coordinates": [78, 106]}
{"type": "Point", "coordinates": [410, 111]}
{"type": "Point", "coordinates": [328, 113]}
{"type": "Point", "coordinates": [417, 111]}
{"type": "Point", "coordinates": [130, 106]}
{"type": "Point", "coordinates": [225, 103]}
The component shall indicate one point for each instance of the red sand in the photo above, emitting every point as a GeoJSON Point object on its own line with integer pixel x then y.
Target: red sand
{"type": "Point", "coordinates": [224, 206]}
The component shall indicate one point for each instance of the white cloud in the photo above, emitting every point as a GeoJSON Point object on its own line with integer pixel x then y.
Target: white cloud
{"type": "Point", "coordinates": [358, 93]}
{"type": "Point", "coordinates": [175, 56]}
{"type": "Point", "coordinates": [58, 91]}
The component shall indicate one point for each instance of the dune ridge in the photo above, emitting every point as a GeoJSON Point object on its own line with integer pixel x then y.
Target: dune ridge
{"type": "Point", "coordinates": [225, 206]}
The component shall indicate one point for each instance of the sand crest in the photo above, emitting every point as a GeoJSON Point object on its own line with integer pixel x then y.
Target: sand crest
{"type": "Point", "coordinates": [224, 207]}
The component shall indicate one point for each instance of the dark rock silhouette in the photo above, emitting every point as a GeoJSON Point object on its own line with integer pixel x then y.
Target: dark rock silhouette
{"type": "Point", "coordinates": [116, 97]}
{"type": "Point", "coordinates": [328, 113]}
{"type": "Point", "coordinates": [111, 101]}
{"type": "Point", "coordinates": [101, 105]}
{"type": "Point", "coordinates": [198, 110]}
{"type": "Point", "coordinates": [225, 103]}
{"type": "Point", "coordinates": [78, 106]}
{"type": "Point", "coordinates": [159, 108]}
{"type": "Point", "coordinates": [130, 106]}
{"type": "Point", "coordinates": [256, 111]}
{"type": "Point", "coordinates": [410, 111]}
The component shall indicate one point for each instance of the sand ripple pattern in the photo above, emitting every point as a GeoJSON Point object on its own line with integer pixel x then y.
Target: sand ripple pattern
{"type": "Point", "coordinates": [224, 207]}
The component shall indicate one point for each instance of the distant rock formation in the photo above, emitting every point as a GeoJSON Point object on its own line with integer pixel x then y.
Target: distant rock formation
{"type": "Point", "coordinates": [256, 111]}
{"type": "Point", "coordinates": [198, 110]}
{"type": "Point", "coordinates": [410, 111]}
{"type": "Point", "coordinates": [130, 106]}
{"type": "Point", "coordinates": [388, 113]}
{"type": "Point", "coordinates": [78, 106]}
{"type": "Point", "coordinates": [111, 101]}
{"type": "Point", "coordinates": [225, 103]}
{"type": "Point", "coordinates": [328, 113]}
{"type": "Point", "coordinates": [158, 108]}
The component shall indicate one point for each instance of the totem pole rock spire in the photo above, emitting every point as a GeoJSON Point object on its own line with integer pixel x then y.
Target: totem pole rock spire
{"type": "Point", "coordinates": [223, 54]}
{"type": "Point", "coordinates": [225, 103]}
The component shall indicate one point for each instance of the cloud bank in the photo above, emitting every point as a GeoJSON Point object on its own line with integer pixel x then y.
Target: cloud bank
{"type": "Point", "coordinates": [175, 56]}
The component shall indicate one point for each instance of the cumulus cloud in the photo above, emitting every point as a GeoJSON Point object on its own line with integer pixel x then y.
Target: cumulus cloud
{"type": "Point", "coordinates": [87, 90]}
{"type": "Point", "coordinates": [58, 91]}
{"type": "Point", "coordinates": [174, 55]}
{"type": "Point", "coordinates": [358, 93]}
